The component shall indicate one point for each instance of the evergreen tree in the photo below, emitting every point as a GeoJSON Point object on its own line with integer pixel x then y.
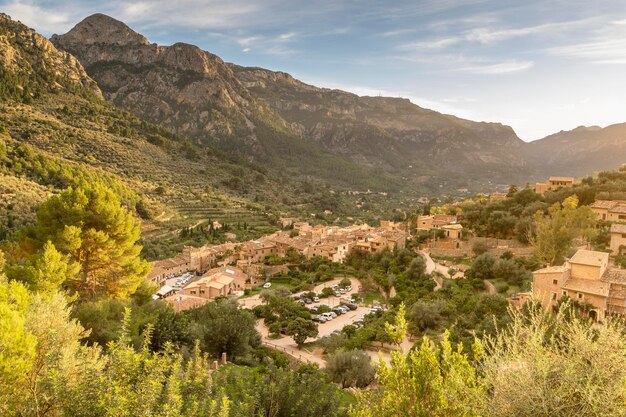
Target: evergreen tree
{"type": "Point", "coordinates": [89, 226]}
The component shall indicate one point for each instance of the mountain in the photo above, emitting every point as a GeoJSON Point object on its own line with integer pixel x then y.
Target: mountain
{"type": "Point", "coordinates": [581, 151]}
{"type": "Point", "coordinates": [270, 117]}
{"type": "Point", "coordinates": [195, 94]}
{"type": "Point", "coordinates": [56, 131]}
{"type": "Point", "coordinates": [392, 133]}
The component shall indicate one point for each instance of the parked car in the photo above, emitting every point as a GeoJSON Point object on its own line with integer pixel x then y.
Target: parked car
{"type": "Point", "coordinates": [351, 306]}
{"type": "Point", "coordinates": [313, 309]}
{"type": "Point", "coordinates": [267, 285]}
{"type": "Point", "coordinates": [337, 332]}
{"type": "Point", "coordinates": [328, 316]}
{"type": "Point", "coordinates": [341, 290]}
{"type": "Point", "coordinates": [349, 288]}
{"type": "Point", "coordinates": [316, 299]}
{"type": "Point", "coordinates": [319, 318]}
{"type": "Point", "coordinates": [308, 301]}
{"type": "Point", "coordinates": [338, 311]}
{"type": "Point", "coordinates": [337, 294]}
{"type": "Point", "coordinates": [332, 314]}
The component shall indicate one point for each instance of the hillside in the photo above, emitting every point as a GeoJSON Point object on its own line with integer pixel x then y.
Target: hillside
{"type": "Point", "coordinates": [56, 130]}
{"type": "Point", "coordinates": [391, 133]}
{"type": "Point", "coordinates": [269, 117]}
{"type": "Point", "coordinates": [581, 151]}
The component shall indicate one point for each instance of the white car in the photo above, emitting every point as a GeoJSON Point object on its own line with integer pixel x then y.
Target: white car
{"type": "Point", "coordinates": [328, 316]}
{"type": "Point", "coordinates": [267, 285]}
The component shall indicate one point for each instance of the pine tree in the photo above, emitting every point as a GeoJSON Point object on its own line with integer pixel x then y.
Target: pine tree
{"type": "Point", "coordinates": [89, 226]}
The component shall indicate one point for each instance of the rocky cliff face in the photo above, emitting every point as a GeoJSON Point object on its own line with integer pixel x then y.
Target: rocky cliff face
{"type": "Point", "coordinates": [33, 61]}
{"type": "Point", "coordinates": [182, 87]}
{"type": "Point", "coordinates": [389, 132]}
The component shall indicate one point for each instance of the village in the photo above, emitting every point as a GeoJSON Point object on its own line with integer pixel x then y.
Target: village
{"type": "Point", "coordinates": [243, 270]}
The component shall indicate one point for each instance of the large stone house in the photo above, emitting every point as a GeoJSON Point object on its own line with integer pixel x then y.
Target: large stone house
{"type": "Point", "coordinates": [435, 221]}
{"type": "Point", "coordinates": [610, 210]}
{"type": "Point", "coordinates": [168, 268]}
{"type": "Point", "coordinates": [586, 278]}
{"type": "Point", "coordinates": [553, 183]}
{"type": "Point", "coordinates": [618, 239]}
{"type": "Point", "coordinates": [210, 286]}
{"type": "Point", "coordinates": [257, 250]}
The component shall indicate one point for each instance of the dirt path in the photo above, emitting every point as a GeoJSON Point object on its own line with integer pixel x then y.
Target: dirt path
{"type": "Point", "coordinates": [491, 289]}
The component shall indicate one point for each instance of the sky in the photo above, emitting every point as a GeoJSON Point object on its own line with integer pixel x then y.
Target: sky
{"type": "Point", "coordinates": [540, 66]}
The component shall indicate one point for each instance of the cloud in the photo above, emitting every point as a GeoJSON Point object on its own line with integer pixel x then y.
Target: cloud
{"type": "Point", "coordinates": [286, 36]}
{"type": "Point", "coordinates": [506, 67]}
{"type": "Point", "coordinates": [41, 19]}
{"type": "Point", "coordinates": [398, 32]}
{"type": "Point", "coordinates": [433, 44]}
{"type": "Point", "coordinates": [604, 51]}
{"type": "Point", "coordinates": [488, 36]}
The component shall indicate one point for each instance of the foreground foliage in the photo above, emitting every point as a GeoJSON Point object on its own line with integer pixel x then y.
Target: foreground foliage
{"type": "Point", "coordinates": [540, 365]}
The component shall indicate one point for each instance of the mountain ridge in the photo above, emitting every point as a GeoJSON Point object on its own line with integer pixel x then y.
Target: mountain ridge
{"type": "Point", "coordinates": [391, 135]}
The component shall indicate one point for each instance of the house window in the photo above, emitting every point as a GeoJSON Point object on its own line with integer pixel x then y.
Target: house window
{"type": "Point", "coordinates": [553, 296]}
{"type": "Point", "coordinates": [555, 281]}
{"type": "Point", "coordinates": [579, 295]}
{"type": "Point", "coordinates": [564, 293]}
{"type": "Point", "coordinates": [193, 292]}
{"type": "Point", "coordinates": [201, 291]}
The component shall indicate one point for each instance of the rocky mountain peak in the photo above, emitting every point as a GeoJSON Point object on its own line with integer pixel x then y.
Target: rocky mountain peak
{"type": "Point", "coordinates": [101, 29]}
{"type": "Point", "coordinates": [38, 62]}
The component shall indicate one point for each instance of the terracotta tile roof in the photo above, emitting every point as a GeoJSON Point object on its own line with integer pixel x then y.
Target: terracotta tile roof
{"type": "Point", "coordinates": [604, 204]}
{"type": "Point", "coordinates": [620, 208]}
{"type": "Point", "coordinates": [180, 302]}
{"type": "Point", "coordinates": [589, 257]}
{"type": "Point", "coordinates": [615, 275]}
{"type": "Point", "coordinates": [570, 179]}
{"type": "Point", "coordinates": [588, 286]}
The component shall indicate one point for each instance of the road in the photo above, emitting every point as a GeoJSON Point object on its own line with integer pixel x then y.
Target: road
{"type": "Point", "coordinates": [432, 266]}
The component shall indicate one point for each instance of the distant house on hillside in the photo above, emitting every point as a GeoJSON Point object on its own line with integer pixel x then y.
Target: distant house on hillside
{"type": "Point", "coordinates": [553, 183]}
{"type": "Point", "coordinates": [587, 279]}
{"type": "Point", "coordinates": [496, 196]}
{"type": "Point", "coordinates": [610, 210]}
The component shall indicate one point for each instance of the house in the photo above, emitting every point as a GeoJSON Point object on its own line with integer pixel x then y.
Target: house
{"type": "Point", "coordinates": [618, 240]}
{"type": "Point", "coordinates": [425, 222]}
{"type": "Point", "coordinates": [392, 226]}
{"type": "Point", "coordinates": [587, 279]}
{"type": "Point", "coordinates": [216, 225]}
{"type": "Point", "coordinates": [167, 268]}
{"type": "Point", "coordinates": [610, 210]}
{"type": "Point", "coordinates": [287, 221]}
{"type": "Point", "coordinates": [257, 250]}
{"type": "Point", "coordinates": [210, 287]}
{"type": "Point", "coordinates": [239, 276]}
{"type": "Point", "coordinates": [181, 302]}
{"type": "Point", "coordinates": [435, 221]}
{"type": "Point", "coordinates": [553, 183]}
{"type": "Point", "coordinates": [496, 196]}
{"type": "Point", "coordinates": [452, 231]}
{"type": "Point", "coordinates": [396, 240]}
